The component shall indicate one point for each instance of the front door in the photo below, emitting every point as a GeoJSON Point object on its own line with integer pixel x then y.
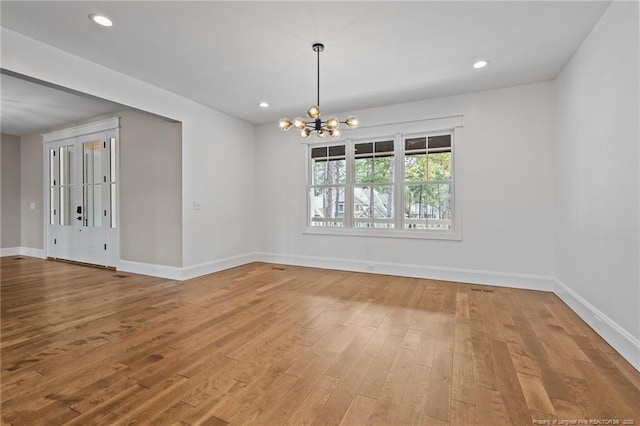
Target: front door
{"type": "Point", "coordinates": [82, 197]}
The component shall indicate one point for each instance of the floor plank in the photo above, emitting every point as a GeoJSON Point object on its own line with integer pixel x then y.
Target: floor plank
{"type": "Point", "coordinates": [276, 344]}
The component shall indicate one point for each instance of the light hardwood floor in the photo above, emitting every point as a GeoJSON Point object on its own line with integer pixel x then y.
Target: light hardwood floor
{"type": "Point", "coordinates": [270, 344]}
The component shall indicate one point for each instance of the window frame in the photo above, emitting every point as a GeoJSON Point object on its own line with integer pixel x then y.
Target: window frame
{"type": "Point", "coordinates": [311, 185]}
{"type": "Point", "coordinates": [398, 133]}
{"type": "Point", "coordinates": [351, 181]}
{"type": "Point", "coordinates": [426, 182]}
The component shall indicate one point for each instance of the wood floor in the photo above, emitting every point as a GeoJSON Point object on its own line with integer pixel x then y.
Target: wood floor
{"type": "Point", "coordinates": [273, 345]}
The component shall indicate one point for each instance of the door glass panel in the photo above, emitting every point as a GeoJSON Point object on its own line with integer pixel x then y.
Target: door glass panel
{"type": "Point", "coordinates": [87, 163]}
{"type": "Point", "coordinates": [113, 205]}
{"type": "Point", "coordinates": [97, 163]}
{"type": "Point", "coordinates": [52, 206]}
{"type": "Point", "coordinates": [93, 205]}
{"type": "Point", "coordinates": [97, 205]}
{"type": "Point", "coordinates": [112, 158]}
{"type": "Point", "coordinates": [67, 175]}
{"type": "Point", "coordinates": [52, 171]}
{"type": "Point", "coordinates": [67, 184]}
{"type": "Point", "coordinates": [52, 182]}
{"type": "Point", "coordinates": [87, 196]}
{"type": "Point", "coordinates": [112, 174]}
{"type": "Point", "coordinates": [67, 206]}
{"type": "Point", "coordinates": [92, 181]}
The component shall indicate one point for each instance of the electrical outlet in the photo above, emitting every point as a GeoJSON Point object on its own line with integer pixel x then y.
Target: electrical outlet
{"type": "Point", "coordinates": [371, 268]}
{"type": "Point", "coordinates": [197, 205]}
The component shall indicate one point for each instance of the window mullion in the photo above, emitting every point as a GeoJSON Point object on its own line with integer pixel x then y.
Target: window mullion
{"type": "Point", "coordinates": [309, 184]}
{"type": "Point", "coordinates": [398, 183]}
{"type": "Point", "coordinates": [349, 184]}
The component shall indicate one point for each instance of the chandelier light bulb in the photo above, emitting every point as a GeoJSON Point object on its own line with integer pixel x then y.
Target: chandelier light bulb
{"type": "Point", "coordinates": [305, 132]}
{"type": "Point", "coordinates": [321, 133]}
{"type": "Point", "coordinates": [332, 123]}
{"type": "Point", "coordinates": [285, 124]}
{"type": "Point", "coordinates": [335, 133]}
{"type": "Point", "coordinates": [313, 111]}
{"type": "Point", "coordinates": [352, 122]}
{"type": "Point", "coordinates": [299, 123]}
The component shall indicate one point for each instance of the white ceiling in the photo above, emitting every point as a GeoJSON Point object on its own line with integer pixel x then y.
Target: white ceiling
{"type": "Point", "coordinates": [29, 107]}
{"type": "Point", "coordinates": [231, 55]}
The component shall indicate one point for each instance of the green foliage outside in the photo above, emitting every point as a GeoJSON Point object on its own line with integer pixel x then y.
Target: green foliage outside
{"type": "Point", "coordinates": [426, 167]}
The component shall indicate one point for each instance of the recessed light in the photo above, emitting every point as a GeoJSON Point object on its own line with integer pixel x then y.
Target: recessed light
{"type": "Point", "coordinates": [481, 63]}
{"type": "Point", "coordinates": [263, 104]}
{"type": "Point", "coordinates": [101, 20]}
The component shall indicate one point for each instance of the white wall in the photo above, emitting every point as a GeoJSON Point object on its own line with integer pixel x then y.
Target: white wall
{"type": "Point", "coordinates": [150, 189]}
{"type": "Point", "coordinates": [507, 195]}
{"type": "Point", "coordinates": [597, 181]}
{"type": "Point", "coordinates": [9, 193]}
{"type": "Point", "coordinates": [217, 152]}
{"type": "Point", "coordinates": [31, 192]}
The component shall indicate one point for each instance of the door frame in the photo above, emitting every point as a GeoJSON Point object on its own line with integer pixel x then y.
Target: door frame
{"type": "Point", "coordinates": [109, 126]}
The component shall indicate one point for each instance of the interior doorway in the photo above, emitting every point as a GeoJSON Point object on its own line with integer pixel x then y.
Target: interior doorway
{"type": "Point", "coordinates": [81, 181]}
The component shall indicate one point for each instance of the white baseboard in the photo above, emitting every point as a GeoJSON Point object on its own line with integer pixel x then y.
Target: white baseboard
{"type": "Point", "coordinates": [162, 271]}
{"type": "Point", "coordinates": [33, 252]}
{"type": "Point", "coordinates": [9, 251]}
{"type": "Point", "coordinates": [499, 279]}
{"type": "Point", "coordinates": [22, 251]}
{"type": "Point", "coordinates": [188, 272]}
{"type": "Point", "coordinates": [619, 338]}
{"type": "Point", "coordinates": [198, 270]}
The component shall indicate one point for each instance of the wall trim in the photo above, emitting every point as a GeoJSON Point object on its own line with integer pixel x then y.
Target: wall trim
{"type": "Point", "coordinates": [619, 338]}
{"type": "Point", "coordinates": [33, 252]}
{"type": "Point", "coordinates": [162, 271]}
{"type": "Point", "coordinates": [9, 251]}
{"type": "Point", "coordinates": [205, 268]}
{"type": "Point", "coordinates": [22, 251]}
{"type": "Point", "coordinates": [498, 279]}
{"type": "Point", "coordinates": [84, 129]}
{"type": "Point", "coordinates": [188, 272]}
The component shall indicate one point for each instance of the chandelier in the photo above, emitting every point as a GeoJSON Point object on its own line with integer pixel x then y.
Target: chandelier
{"type": "Point", "coordinates": [322, 128]}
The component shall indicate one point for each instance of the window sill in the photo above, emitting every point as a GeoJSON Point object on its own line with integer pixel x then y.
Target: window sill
{"type": "Point", "coordinates": [385, 233]}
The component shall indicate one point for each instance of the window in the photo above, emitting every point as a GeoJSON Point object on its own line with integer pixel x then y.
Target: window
{"type": "Point", "coordinates": [328, 183]}
{"type": "Point", "coordinates": [427, 182]}
{"type": "Point", "coordinates": [401, 186]}
{"type": "Point", "coordinates": [373, 186]}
